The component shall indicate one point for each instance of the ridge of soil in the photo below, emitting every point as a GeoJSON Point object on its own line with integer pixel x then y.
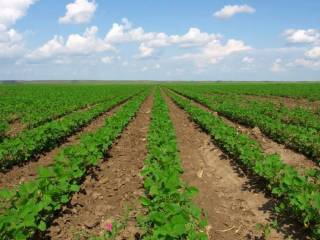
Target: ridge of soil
{"type": "Point", "coordinates": [111, 189]}
{"type": "Point", "coordinates": [28, 171]}
{"type": "Point", "coordinates": [233, 201]}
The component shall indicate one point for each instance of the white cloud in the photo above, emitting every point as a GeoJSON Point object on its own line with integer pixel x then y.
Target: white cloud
{"type": "Point", "coordinates": [145, 51]}
{"type": "Point", "coordinates": [209, 46]}
{"type": "Point", "coordinates": [311, 64]}
{"type": "Point", "coordinates": [11, 42]}
{"type": "Point", "coordinates": [81, 11]}
{"type": "Point", "coordinates": [248, 60]}
{"type": "Point", "coordinates": [150, 41]}
{"type": "Point", "coordinates": [302, 36]}
{"type": "Point", "coordinates": [13, 10]}
{"type": "Point", "coordinates": [277, 66]}
{"type": "Point", "coordinates": [230, 10]}
{"type": "Point", "coordinates": [107, 60]}
{"type": "Point", "coordinates": [215, 51]}
{"type": "Point", "coordinates": [76, 44]}
{"type": "Point", "coordinates": [313, 53]}
{"type": "Point", "coordinates": [194, 37]}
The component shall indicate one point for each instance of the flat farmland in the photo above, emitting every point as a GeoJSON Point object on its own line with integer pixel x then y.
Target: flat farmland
{"type": "Point", "coordinates": [160, 161]}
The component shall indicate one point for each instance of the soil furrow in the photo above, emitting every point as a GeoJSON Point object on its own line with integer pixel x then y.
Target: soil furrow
{"type": "Point", "coordinates": [28, 171]}
{"type": "Point", "coordinates": [233, 201]}
{"type": "Point", "coordinates": [297, 160]}
{"type": "Point", "coordinates": [111, 192]}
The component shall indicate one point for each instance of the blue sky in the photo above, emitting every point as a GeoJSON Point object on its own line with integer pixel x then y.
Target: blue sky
{"type": "Point", "coordinates": [160, 40]}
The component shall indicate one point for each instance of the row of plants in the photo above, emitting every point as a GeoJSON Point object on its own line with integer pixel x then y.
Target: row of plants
{"type": "Point", "coordinates": [171, 214]}
{"type": "Point", "coordinates": [3, 129]}
{"type": "Point", "coordinates": [33, 105]}
{"type": "Point", "coordinates": [309, 91]}
{"type": "Point", "coordinates": [295, 193]}
{"type": "Point", "coordinates": [301, 139]}
{"type": "Point", "coordinates": [27, 211]}
{"type": "Point", "coordinates": [30, 143]}
{"type": "Point", "coordinates": [298, 115]}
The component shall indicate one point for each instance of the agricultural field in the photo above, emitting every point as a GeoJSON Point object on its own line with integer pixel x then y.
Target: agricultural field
{"type": "Point", "coordinates": [164, 161]}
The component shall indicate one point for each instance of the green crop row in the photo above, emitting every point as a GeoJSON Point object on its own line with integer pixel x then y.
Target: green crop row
{"type": "Point", "coordinates": [310, 91]}
{"type": "Point", "coordinates": [171, 213]}
{"type": "Point", "coordinates": [33, 105]}
{"type": "Point", "coordinates": [3, 129]}
{"type": "Point", "coordinates": [28, 209]}
{"type": "Point", "coordinates": [297, 115]}
{"type": "Point", "coordinates": [301, 139]}
{"type": "Point", "coordinates": [32, 142]}
{"type": "Point", "coordinates": [294, 191]}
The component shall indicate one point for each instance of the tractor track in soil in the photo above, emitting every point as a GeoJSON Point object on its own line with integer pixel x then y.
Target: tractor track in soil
{"type": "Point", "coordinates": [112, 187]}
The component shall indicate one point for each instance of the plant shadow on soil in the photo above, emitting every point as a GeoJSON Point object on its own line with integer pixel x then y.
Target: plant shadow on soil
{"type": "Point", "coordinates": [286, 224]}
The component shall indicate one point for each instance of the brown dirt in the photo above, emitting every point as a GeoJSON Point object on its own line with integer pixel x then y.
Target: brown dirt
{"type": "Point", "coordinates": [15, 127]}
{"type": "Point", "coordinates": [297, 160]}
{"type": "Point", "coordinates": [28, 171]}
{"type": "Point", "coordinates": [288, 102]}
{"type": "Point", "coordinates": [232, 200]}
{"type": "Point", "coordinates": [113, 186]}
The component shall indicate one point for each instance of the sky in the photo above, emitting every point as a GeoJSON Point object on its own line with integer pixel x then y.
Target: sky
{"type": "Point", "coordinates": [250, 40]}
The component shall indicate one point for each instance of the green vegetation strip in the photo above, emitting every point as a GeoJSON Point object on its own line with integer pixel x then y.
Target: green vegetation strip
{"type": "Point", "coordinates": [301, 139]}
{"type": "Point", "coordinates": [296, 115]}
{"type": "Point", "coordinates": [171, 213]}
{"type": "Point", "coordinates": [28, 209]}
{"type": "Point", "coordinates": [295, 193]}
{"type": "Point", "coordinates": [3, 129]}
{"type": "Point", "coordinates": [32, 142]}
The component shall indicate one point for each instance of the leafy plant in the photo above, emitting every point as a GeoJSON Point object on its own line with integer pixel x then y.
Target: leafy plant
{"type": "Point", "coordinates": [31, 207]}
{"type": "Point", "coordinates": [298, 195]}
{"type": "Point", "coordinates": [171, 213]}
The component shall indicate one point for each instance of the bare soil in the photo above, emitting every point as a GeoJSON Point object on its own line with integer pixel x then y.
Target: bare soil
{"type": "Point", "coordinates": [15, 127]}
{"type": "Point", "coordinates": [233, 201]}
{"type": "Point", "coordinates": [110, 189]}
{"type": "Point", "coordinates": [28, 171]}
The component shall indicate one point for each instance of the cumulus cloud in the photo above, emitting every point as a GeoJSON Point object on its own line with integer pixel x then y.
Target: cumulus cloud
{"type": "Point", "coordinates": [81, 11]}
{"type": "Point", "coordinates": [150, 41]}
{"type": "Point", "coordinates": [231, 10]}
{"type": "Point", "coordinates": [215, 51]}
{"type": "Point", "coordinates": [313, 53]}
{"type": "Point", "coordinates": [75, 44]}
{"type": "Point", "coordinates": [11, 41]}
{"type": "Point", "coordinates": [277, 66]}
{"type": "Point", "coordinates": [209, 46]}
{"type": "Point", "coordinates": [302, 36]}
{"type": "Point", "coordinates": [13, 10]}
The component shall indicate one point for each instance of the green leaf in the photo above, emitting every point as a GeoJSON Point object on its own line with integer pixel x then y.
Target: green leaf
{"type": "Point", "coordinates": [42, 226]}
